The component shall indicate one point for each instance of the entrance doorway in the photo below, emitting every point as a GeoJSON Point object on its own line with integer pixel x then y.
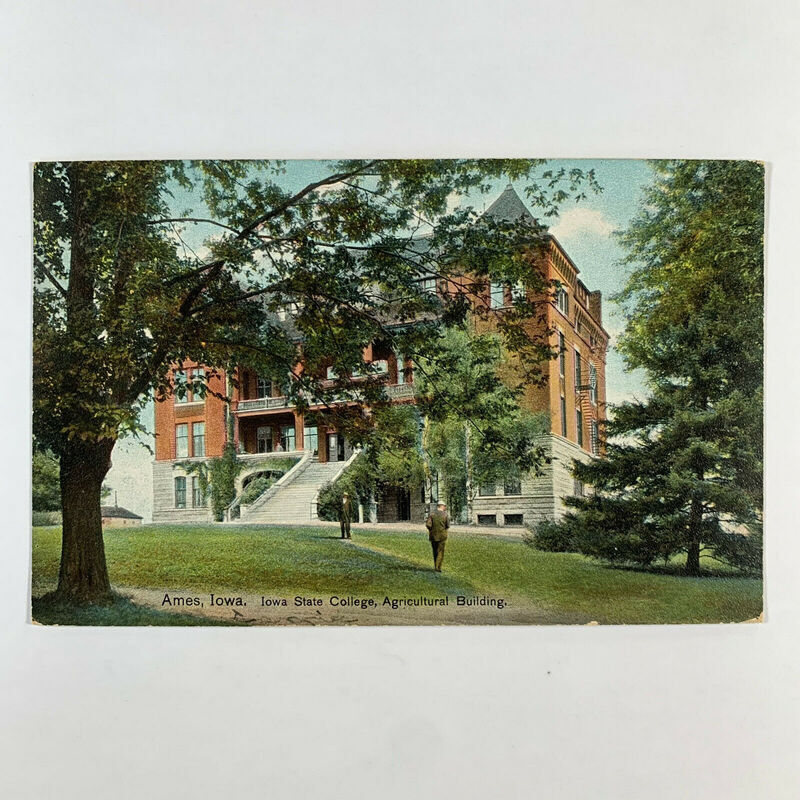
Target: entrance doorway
{"type": "Point", "coordinates": [335, 447]}
{"type": "Point", "coordinates": [403, 505]}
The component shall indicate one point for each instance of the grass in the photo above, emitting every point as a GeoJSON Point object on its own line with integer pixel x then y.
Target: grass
{"type": "Point", "coordinates": [289, 561]}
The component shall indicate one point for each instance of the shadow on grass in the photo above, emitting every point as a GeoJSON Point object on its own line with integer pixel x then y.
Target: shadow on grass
{"type": "Point", "coordinates": [679, 571]}
{"type": "Point", "coordinates": [121, 611]}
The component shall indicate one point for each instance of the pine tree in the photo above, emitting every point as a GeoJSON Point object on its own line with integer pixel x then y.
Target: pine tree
{"type": "Point", "coordinates": [683, 471]}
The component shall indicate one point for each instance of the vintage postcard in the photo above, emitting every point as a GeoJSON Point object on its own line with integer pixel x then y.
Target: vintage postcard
{"type": "Point", "coordinates": [397, 392]}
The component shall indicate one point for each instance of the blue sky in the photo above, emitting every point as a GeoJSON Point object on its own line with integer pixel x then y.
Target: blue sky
{"type": "Point", "coordinates": [584, 229]}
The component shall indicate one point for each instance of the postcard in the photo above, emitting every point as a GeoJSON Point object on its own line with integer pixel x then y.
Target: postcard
{"type": "Point", "coordinates": [397, 392]}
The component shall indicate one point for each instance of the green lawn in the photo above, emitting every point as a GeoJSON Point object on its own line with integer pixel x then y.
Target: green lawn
{"type": "Point", "coordinates": [289, 561]}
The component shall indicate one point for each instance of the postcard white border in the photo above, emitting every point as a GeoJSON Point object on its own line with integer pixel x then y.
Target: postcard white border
{"type": "Point", "coordinates": [626, 712]}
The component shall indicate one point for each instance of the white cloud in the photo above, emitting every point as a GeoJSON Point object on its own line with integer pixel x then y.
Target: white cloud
{"type": "Point", "coordinates": [581, 220]}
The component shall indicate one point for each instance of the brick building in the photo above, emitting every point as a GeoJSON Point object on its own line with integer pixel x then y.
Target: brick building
{"type": "Point", "coordinates": [275, 440]}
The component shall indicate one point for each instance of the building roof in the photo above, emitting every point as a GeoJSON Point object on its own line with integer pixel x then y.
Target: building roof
{"type": "Point", "coordinates": [509, 208]}
{"type": "Point", "coordinates": [118, 512]}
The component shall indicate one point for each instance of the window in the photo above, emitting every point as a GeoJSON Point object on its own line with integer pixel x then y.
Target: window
{"type": "Point", "coordinates": [198, 392]}
{"type": "Point", "coordinates": [486, 490]}
{"type": "Point", "coordinates": [264, 439]}
{"type": "Point", "coordinates": [518, 292]}
{"type": "Point", "coordinates": [578, 376]}
{"type": "Point", "coordinates": [180, 492]}
{"type": "Point", "coordinates": [579, 425]}
{"type": "Point", "coordinates": [577, 488]}
{"type": "Point", "coordinates": [182, 441]}
{"type": "Point", "coordinates": [512, 519]}
{"type": "Point", "coordinates": [198, 439]}
{"type": "Point", "coordinates": [562, 300]}
{"type": "Point", "coordinates": [496, 294]}
{"type": "Point", "coordinates": [183, 389]}
{"type": "Point", "coordinates": [263, 387]}
{"type": "Point", "coordinates": [287, 437]}
{"type": "Point", "coordinates": [331, 374]}
{"type": "Point", "coordinates": [512, 486]}
{"type": "Point", "coordinates": [198, 500]}
{"type": "Point", "coordinates": [181, 393]}
{"type": "Point", "coordinates": [428, 285]}
{"type": "Point", "coordinates": [592, 384]}
{"type": "Point", "coordinates": [595, 437]}
{"type": "Point", "coordinates": [562, 355]}
{"type": "Point", "coordinates": [311, 439]}
{"type": "Point", "coordinates": [487, 519]}
{"type": "Point", "coordinates": [563, 416]}
{"type": "Point", "coordinates": [381, 366]}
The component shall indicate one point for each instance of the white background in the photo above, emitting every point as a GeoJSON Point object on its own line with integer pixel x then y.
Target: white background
{"type": "Point", "coordinates": [645, 712]}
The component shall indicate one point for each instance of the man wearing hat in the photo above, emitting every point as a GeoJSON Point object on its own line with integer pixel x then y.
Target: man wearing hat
{"type": "Point", "coordinates": [437, 524]}
{"type": "Point", "coordinates": [346, 515]}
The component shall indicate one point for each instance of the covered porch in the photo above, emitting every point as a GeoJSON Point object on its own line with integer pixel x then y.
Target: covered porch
{"type": "Point", "coordinates": [288, 431]}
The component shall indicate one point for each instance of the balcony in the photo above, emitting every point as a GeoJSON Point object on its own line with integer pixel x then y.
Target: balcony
{"type": "Point", "coordinates": [399, 391]}
{"type": "Point", "coordinates": [264, 404]}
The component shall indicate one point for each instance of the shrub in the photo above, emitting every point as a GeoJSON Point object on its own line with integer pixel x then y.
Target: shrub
{"type": "Point", "coordinates": [330, 498]}
{"type": "Point", "coordinates": [41, 518]}
{"type": "Point", "coordinates": [551, 537]}
{"type": "Point", "coordinates": [222, 474]}
{"type": "Point", "coordinates": [255, 489]}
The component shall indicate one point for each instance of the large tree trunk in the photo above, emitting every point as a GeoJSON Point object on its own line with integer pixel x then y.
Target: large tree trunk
{"type": "Point", "coordinates": [83, 576]}
{"type": "Point", "coordinates": [695, 521]}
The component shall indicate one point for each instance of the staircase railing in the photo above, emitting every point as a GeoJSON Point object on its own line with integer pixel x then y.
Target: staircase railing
{"type": "Point", "coordinates": [298, 469]}
{"type": "Point", "coordinates": [235, 509]}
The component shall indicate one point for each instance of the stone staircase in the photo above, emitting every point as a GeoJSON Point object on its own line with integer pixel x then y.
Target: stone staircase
{"type": "Point", "coordinates": [293, 502]}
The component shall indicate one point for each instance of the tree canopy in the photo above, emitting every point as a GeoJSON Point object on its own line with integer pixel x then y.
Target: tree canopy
{"type": "Point", "coordinates": [121, 294]}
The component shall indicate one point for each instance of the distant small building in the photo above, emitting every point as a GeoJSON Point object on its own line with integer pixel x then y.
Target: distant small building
{"type": "Point", "coordinates": [118, 517]}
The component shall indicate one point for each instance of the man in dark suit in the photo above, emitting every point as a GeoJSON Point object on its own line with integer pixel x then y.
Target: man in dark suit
{"type": "Point", "coordinates": [345, 515]}
{"type": "Point", "coordinates": [437, 524]}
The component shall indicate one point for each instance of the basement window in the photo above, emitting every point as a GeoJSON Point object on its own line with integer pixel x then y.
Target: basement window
{"type": "Point", "coordinates": [487, 519]}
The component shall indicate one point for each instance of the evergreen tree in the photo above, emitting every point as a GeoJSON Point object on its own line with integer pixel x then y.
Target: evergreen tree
{"type": "Point", "coordinates": [683, 468]}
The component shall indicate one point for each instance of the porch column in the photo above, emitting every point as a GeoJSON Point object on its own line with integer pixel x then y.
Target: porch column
{"type": "Point", "coordinates": [322, 444]}
{"type": "Point", "coordinates": [235, 431]}
{"type": "Point", "coordinates": [299, 438]}
{"type": "Point", "coordinates": [373, 508]}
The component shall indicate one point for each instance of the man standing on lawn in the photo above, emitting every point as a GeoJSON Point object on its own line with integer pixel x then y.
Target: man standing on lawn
{"type": "Point", "coordinates": [437, 524]}
{"type": "Point", "coordinates": [345, 515]}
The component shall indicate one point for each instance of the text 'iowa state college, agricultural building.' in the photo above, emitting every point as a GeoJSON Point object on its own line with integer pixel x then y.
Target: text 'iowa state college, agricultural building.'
{"type": "Point", "coordinates": [273, 438]}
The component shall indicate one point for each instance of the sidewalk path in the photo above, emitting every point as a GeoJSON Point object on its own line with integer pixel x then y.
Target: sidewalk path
{"type": "Point", "coordinates": [513, 532]}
